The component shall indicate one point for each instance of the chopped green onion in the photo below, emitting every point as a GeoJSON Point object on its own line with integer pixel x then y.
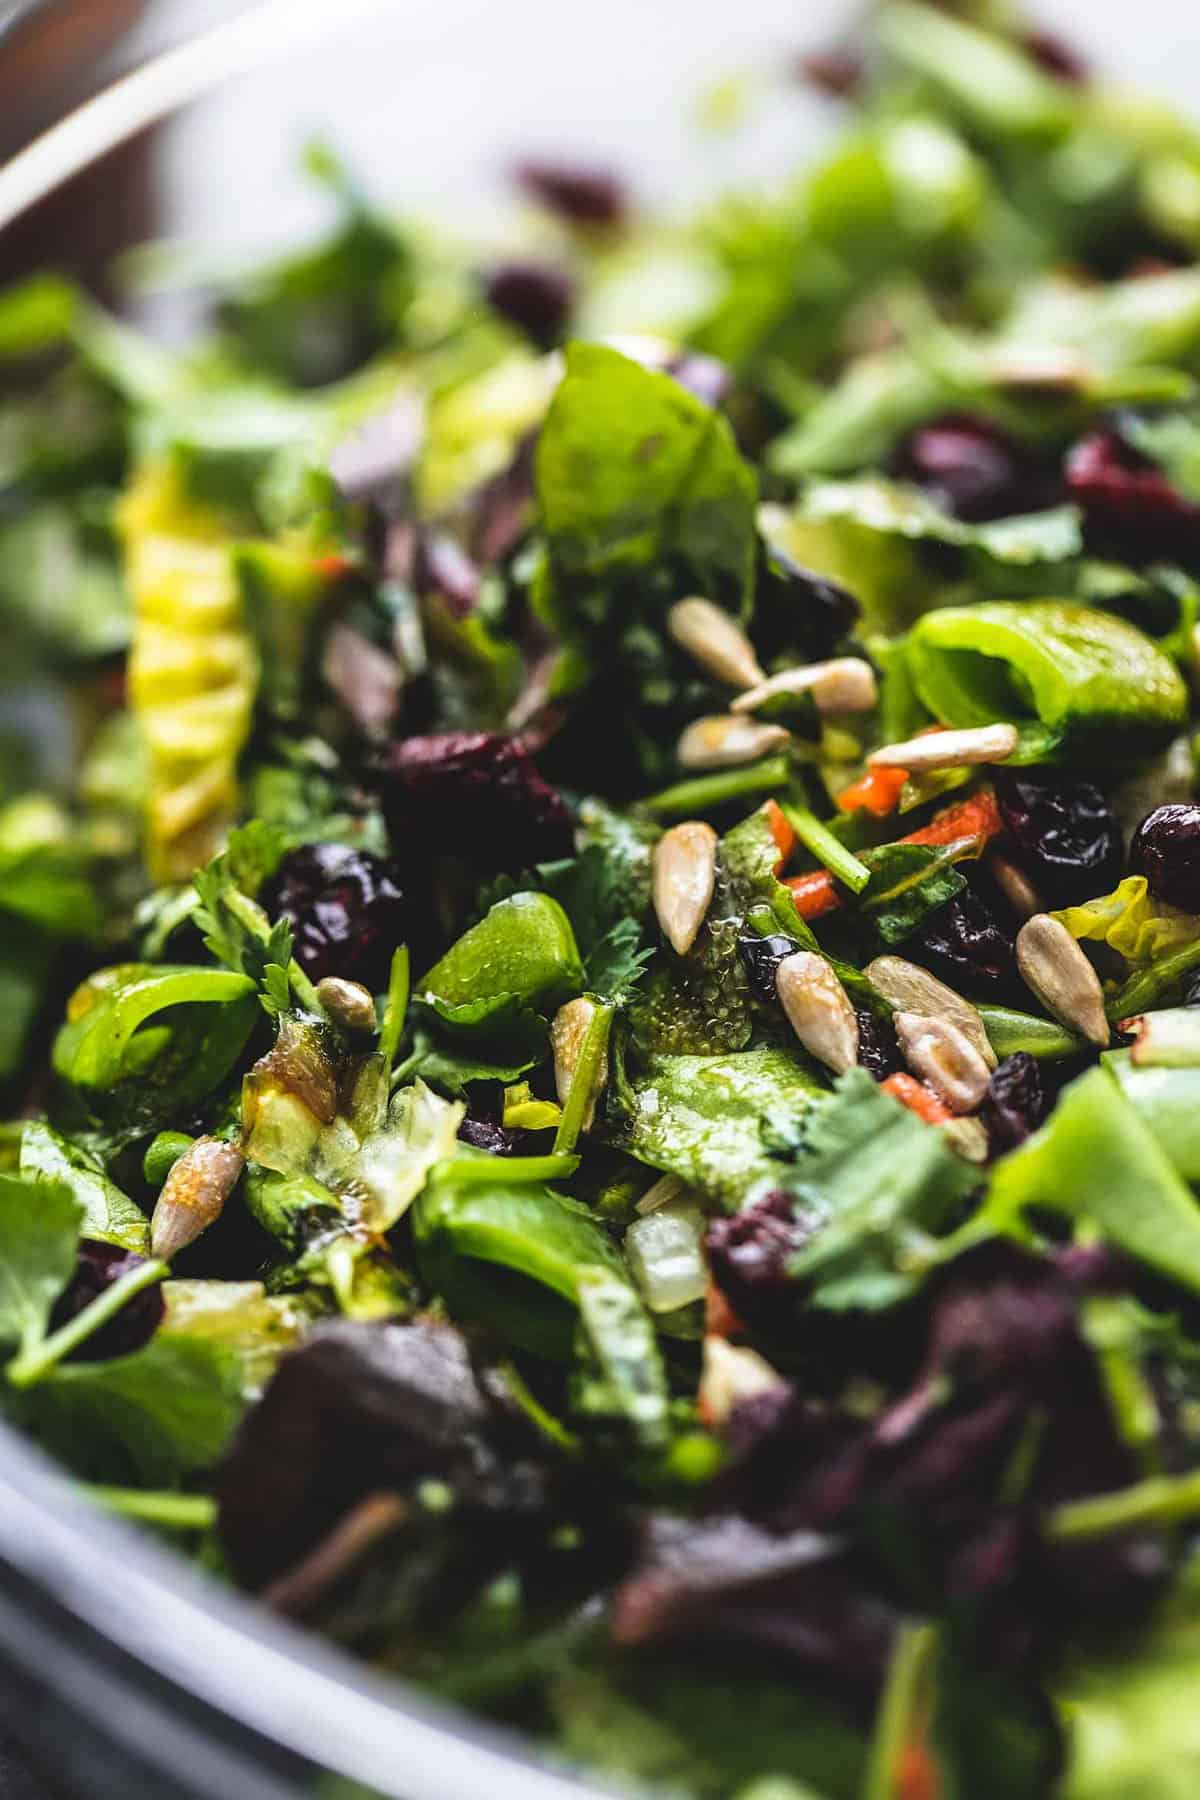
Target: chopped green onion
{"type": "Point", "coordinates": [827, 847]}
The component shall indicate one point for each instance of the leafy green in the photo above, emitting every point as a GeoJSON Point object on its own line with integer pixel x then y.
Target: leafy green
{"type": "Point", "coordinates": [720, 1123]}
{"type": "Point", "coordinates": [106, 1213]}
{"type": "Point", "coordinates": [234, 927]}
{"type": "Point", "coordinates": [876, 1182]}
{"type": "Point", "coordinates": [1070, 678]}
{"type": "Point", "coordinates": [633, 472]}
{"type": "Point", "coordinates": [25, 962]}
{"type": "Point", "coordinates": [142, 1039]}
{"type": "Point", "coordinates": [620, 1384]}
{"type": "Point", "coordinates": [523, 950]}
{"type": "Point", "coordinates": [1168, 1103]}
{"type": "Point", "coordinates": [149, 1417]}
{"type": "Point", "coordinates": [908, 882]}
{"type": "Point", "coordinates": [510, 1254]}
{"type": "Point", "coordinates": [1097, 1161]}
{"type": "Point", "coordinates": [1133, 923]}
{"type": "Point", "coordinates": [39, 1229]}
{"type": "Point", "coordinates": [1132, 1728]}
{"type": "Point", "coordinates": [44, 874]}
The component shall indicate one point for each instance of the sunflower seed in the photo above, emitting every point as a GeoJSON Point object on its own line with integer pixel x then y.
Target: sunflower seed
{"type": "Point", "coordinates": [723, 741]}
{"type": "Point", "coordinates": [913, 989]}
{"type": "Point", "coordinates": [715, 640]}
{"type": "Point", "coordinates": [939, 1053]}
{"type": "Point", "coordinates": [968, 1138]}
{"type": "Point", "coordinates": [729, 1375]}
{"type": "Point", "coordinates": [948, 749]}
{"type": "Point", "coordinates": [348, 1003]}
{"type": "Point", "coordinates": [567, 1033]}
{"type": "Point", "coordinates": [1015, 885]}
{"type": "Point", "coordinates": [194, 1194]}
{"type": "Point", "coordinates": [818, 1009]}
{"type": "Point", "coordinates": [1055, 969]}
{"type": "Point", "coordinates": [685, 869]}
{"type": "Point", "coordinates": [844, 685]}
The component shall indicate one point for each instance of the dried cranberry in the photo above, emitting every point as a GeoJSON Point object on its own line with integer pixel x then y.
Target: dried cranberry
{"type": "Point", "coordinates": [441, 566]}
{"type": "Point", "coordinates": [98, 1266]}
{"type": "Point", "coordinates": [535, 296]}
{"type": "Point", "coordinates": [878, 1051]}
{"type": "Point", "coordinates": [584, 196]}
{"type": "Point", "coordinates": [1129, 502]}
{"type": "Point", "coordinates": [476, 794]}
{"type": "Point", "coordinates": [345, 908]}
{"type": "Point", "coordinates": [836, 72]}
{"type": "Point", "coordinates": [486, 1134]}
{"type": "Point", "coordinates": [798, 611]}
{"type": "Point", "coordinates": [1056, 57]}
{"type": "Point", "coordinates": [973, 469]}
{"type": "Point", "coordinates": [1015, 1102]}
{"type": "Point", "coordinates": [748, 1254]}
{"type": "Point", "coordinates": [1067, 834]}
{"type": "Point", "coordinates": [963, 945]}
{"type": "Point", "coordinates": [761, 957]}
{"type": "Point", "coordinates": [1166, 850]}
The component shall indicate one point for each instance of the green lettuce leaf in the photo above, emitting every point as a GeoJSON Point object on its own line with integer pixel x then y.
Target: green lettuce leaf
{"type": "Point", "coordinates": [106, 1213]}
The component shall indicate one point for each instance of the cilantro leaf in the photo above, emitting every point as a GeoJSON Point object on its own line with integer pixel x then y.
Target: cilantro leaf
{"type": "Point", "coordinates": [908, 882]}
{"type": "Point", "coordinates": [107, 1213]}
{"type": "Point", "coordinates": [876, 1182]}
{"type": "Point", "coordinates": [148, 1417]}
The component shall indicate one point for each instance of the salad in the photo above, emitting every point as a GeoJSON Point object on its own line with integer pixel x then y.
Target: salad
{"type": "Point", "coordinates": [600, 971]}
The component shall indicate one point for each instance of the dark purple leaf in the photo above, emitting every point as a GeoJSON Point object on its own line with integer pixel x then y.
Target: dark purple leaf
{"type": "Point", "coordinates": [748, 1254]}
{"type": "Point", "coordinates": [345, 908]}
{"type": "Point", "coordinates": [373, 463]}
{"type": "Point", "coordinates": [355, 1409]}
{"type": "Point", "coordinates": [98, 1266]}
{"type": "Point", "coordinates": [724, 1581]}
{"type": "Point", "coordinates": [366, 679]}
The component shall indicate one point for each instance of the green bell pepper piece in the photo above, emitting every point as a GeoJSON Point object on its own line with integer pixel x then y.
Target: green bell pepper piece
{"type": "Point", "coordinates": [1070, 678]}
{"type": "Point", "coordinates": [1168, 1103]}
{"type": "Point", "coordinates": [523, 947]}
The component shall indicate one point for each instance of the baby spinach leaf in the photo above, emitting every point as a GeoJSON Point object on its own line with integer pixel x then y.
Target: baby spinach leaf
{"type": "Point", "coordinates": [149, 1417]}
{"type": "Point", "coordinates": [720, 1123]}
{"type": "Point", "coordinates": [107, 1213]}
{"type": "Point", "coordinates": [39, 1230]}
{"type": "Point", "coordinates": [633, 471]}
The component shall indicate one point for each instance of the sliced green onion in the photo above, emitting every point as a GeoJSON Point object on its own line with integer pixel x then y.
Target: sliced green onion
{"type": "Point", "coordinates": [827, 847]}
{"type": "Point", "coordinates": [477, 1171]}
{"type": "Point", "coordinates": [30, 1367]}
{"type": "Point", "coordinates": [180, 1512]}
{"type": "Point", "coordinates": [705, 791]}
{"type": "Point", "coordinates": [1159, 1500]}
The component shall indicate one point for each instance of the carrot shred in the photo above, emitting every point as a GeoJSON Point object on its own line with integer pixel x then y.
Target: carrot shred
{"type": "Point", "coordinates": [918, 1098]}
{"type": "Point", "coordinates": [977, 817]}
{"type": "Point", "coordinates": [781, 831]}
{"type": "Point", "coordinates": [917, 1775]}
{"type": "Point", "coordinates": [333, 566]}
{"type": "Point", "coordinates": [720, 1320]}
{"type": "Point", "coordinates": [814, 893]}
{"type": "Point", "coordinates": [878, 792]}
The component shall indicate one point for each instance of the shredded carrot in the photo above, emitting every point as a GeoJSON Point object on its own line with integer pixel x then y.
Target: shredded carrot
{"type": "Point", "coordinates": [877, 792]}
{"type": "Point", "coordinates": [917, 1775]}
{"type": "Point", "coordinates": [917, 1097]}
{"type": "Point", "coordinates": [720, 1320]}
{"type": "Point", "coordinates": [333, 566]}
{"type": "Point", "coordinates": [781, 831]}
{"type": "Point", "coordinates": [977, 817]}
{"type": "Point", "coordinates": [814, 893]}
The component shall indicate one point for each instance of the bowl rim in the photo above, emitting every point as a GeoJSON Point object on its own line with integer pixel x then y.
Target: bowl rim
{"type": "Point", "coordinates": [246, 1703]}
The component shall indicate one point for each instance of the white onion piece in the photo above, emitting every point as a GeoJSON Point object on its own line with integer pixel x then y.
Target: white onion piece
{"type": "Point", "coordinates": [666, 1259]}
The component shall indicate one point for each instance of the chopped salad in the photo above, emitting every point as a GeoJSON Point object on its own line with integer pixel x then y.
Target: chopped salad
{"type": "Point", "coordinates": [600, 954]}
